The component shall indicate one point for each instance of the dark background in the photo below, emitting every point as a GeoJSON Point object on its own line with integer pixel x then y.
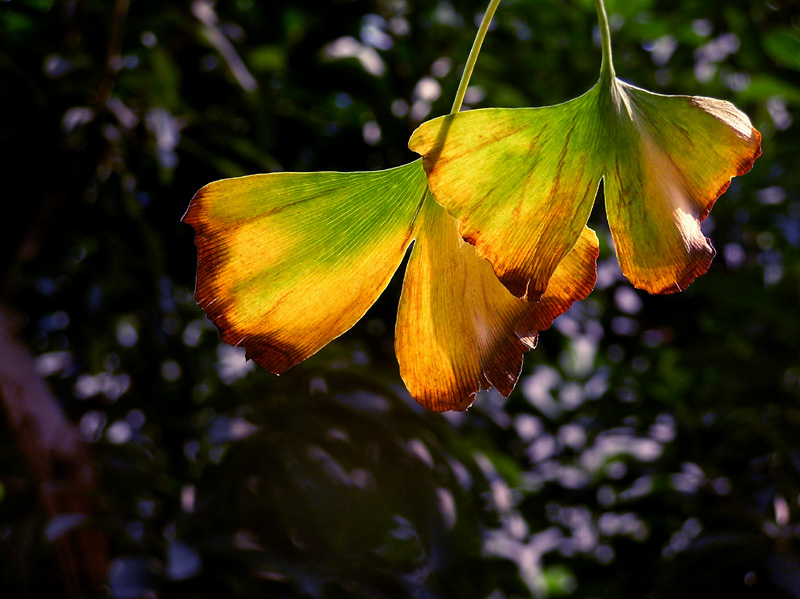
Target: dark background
{"type": "Point", "coordinates": [651, 448]}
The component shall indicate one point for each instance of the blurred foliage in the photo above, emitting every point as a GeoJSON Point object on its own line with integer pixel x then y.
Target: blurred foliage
{"type": "Point", "coordinates": [651, 448]}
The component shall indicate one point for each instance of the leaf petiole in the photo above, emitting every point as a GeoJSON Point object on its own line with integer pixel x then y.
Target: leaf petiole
{"type": "Point", "coordinates": [607, 66]}
{"type": "Point", "coordinates": [473, 55]}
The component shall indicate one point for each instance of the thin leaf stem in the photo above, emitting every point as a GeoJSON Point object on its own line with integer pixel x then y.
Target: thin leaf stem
{"type": "Point", "coordinates": [606, 66]}
{"type": "Point", "coordinates": [473, 55]}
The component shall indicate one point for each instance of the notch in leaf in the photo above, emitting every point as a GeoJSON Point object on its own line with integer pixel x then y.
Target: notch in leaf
{"type": "Point", "coordinates": [521, 182]}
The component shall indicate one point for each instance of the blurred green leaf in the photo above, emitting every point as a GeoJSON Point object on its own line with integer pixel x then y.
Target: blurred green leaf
{"type": "Point", "coordinates": [783, 47]}
{"type": "Point", "coordinates": [270, 59]}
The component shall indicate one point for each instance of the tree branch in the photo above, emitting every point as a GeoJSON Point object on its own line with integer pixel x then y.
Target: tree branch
{"type": "Point", "coordinates": [59, 462]}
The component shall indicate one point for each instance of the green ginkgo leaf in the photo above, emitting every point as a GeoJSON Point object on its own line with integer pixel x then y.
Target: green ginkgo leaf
{"type": "Point", "coordinates": [521, 182]}
{"type": "Point", "coordinates": [289, 261]}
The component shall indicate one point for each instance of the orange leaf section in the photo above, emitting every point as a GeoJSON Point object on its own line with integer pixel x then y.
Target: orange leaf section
{"type": "Point", "coordinates": [458, 329]}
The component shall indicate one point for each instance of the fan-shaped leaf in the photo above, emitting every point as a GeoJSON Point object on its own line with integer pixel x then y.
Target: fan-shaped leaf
{"type": "Point", "coordinates": [289, 261]}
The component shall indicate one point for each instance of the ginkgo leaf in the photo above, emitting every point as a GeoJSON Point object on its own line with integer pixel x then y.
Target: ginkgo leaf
{"type": "Point", "coordinates": [522, 182]}
{"type": "Point", "coordinates": [680, 156]}
{"type": "Point", "coordinates": [289, 261]}
{"type": "Point", "coordinates": [458, 329]}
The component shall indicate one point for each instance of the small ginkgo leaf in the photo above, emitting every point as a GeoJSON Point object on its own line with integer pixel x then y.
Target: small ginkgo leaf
{"type": "Point", "coordinates": [521, 182]}
{"type": "Point", "coordinates": [289, 261]}
{"type": "Point", "coordinates": [458, 329]}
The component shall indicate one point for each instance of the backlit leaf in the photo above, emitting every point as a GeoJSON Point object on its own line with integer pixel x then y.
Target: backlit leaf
{"type": "Point", "coordinates": [521, 183]}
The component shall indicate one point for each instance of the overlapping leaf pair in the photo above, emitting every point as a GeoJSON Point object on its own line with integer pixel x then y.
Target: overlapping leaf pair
{"type": "Point", "coordinates": [289, 261]}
